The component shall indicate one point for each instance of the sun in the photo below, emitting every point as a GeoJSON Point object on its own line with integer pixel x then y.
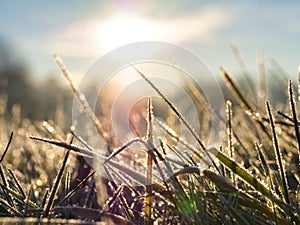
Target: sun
{"type": "Point", "coordinates": [122, 30]}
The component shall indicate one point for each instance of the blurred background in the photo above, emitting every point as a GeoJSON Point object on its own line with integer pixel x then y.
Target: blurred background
{"type": "Point", "coordinates": [82, 31]}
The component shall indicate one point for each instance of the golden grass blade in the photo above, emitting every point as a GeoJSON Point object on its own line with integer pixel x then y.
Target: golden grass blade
{"type": "Point", "coordinates": [81, 98]}
{"type": "Point", "coordinates": [148, 200]}
{"type": "Point", "coordinates": [244, 68]}
{"type": "Point", "coordinates": [244, 100]}
{"type": "Point", "coordinates": [7, 146]}
{"type": "Point", "coordinates": [196, 95]}
{"type": "Point", "coordinates": [172, 107]}
{"type": "Point", "coordinates": [262, 77]}
{"type": "Point", "coordinates": [183, 120]}
{"type": "Point", "coordinates": [241, 96]}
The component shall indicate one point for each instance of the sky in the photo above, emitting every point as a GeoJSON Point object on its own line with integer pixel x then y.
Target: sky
{"type": "Point", "coordinates": [83, 31]}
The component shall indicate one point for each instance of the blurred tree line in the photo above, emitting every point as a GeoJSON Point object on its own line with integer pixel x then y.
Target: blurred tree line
{"type": "Point", "coordinates": [41, 101]}
{"type": "Point", "coordinates": [37, 100]}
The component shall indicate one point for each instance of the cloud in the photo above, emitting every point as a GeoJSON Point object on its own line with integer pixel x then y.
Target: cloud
{"type": "Point", "coordinates": [203, 25]}
{"type": "Point", "coordinates": [87, 38]}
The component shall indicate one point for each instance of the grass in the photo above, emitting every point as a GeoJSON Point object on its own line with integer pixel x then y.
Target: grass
{"type": "Point", "coordinates": [253, 178]}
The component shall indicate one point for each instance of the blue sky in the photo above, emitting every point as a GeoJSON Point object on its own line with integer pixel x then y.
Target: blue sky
{"type": "Point", "coordinates": [82, 31]}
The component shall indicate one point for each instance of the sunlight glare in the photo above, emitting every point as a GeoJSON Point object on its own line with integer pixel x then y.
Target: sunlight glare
{"type": "Point", "coordinates": [120, 31]}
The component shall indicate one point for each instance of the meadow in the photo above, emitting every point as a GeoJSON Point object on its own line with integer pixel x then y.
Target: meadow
{"type": "Point", "coordinates": [253, 178]}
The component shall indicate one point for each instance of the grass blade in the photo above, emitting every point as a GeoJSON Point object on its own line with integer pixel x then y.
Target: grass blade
{"type": "Point", "coordinates": [123, 147]}
{"type": "Point", "coordinates": [27, 201]}
{"type": "Point", "coordinates": [244, 198]}
{"type": "Point", "coordinates": [246, 176]}
{"type": "Point", "coordinates": [268, 175]}
{"type": "Point", "coordinates": [17, 196]}
{"type": "Point", "coordinates": [13, 211]}
{"type": "Point", "coordinates": [293, 108]}
{"type": "Point", "coordinates": [244, 68]}
{"type": "Point", "coordinates": [187, 125]}
{"type": "Point", "coordinates": [140, 178]}
{"type": "Point", "coordinates": [17, 182]}
{"type": "Point", "coordinates": [5, 186]}
{"type": "Point", "coordinates": [262, 77]}
{"type": "Point", "coordinates": [67, 185]}
{"type": "Point", "coordinates": [45, 197]}
{"type": "Point", "coordinates": [7, 146]}
{"type": "Point", "coordinates": [241, 96]}
{"type": "Point", "coordinates": [258, 186]}
{"type": "Point", "coordinates": [55, 186]}
{"type": "Point", "coordinates": [76, 188]}
{"type": "Point", "coordinates": [148, 203]}
{"type": "Point", "coordinates": [278, 155]}
{"type": "Point", "coordinates": [81, 98]}
{"type": "Point", "coordinates": [229, 135]}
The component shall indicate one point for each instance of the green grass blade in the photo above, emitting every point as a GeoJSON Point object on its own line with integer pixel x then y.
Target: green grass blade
{"type": "Point", "coordinates": [246, 176]}
{"type": "Point", "coordinates": [244, 199]}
